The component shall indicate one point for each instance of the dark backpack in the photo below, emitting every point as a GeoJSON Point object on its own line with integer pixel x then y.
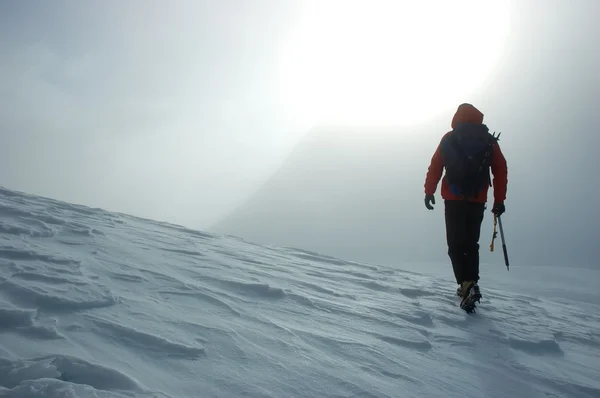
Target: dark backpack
{"type": "Point", "coordinates": [467, 155]}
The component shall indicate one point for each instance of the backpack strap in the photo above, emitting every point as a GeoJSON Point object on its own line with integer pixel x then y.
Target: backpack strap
{"type": "Point", "coordinates": [492, 140]}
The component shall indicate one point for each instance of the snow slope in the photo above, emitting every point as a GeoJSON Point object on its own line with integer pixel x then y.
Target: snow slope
{"type": "Point", "coordinates": [97, 304]}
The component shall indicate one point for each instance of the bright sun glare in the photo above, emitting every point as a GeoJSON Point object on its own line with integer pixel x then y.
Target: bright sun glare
{"type": "Point", "coordinates": [389, 62]}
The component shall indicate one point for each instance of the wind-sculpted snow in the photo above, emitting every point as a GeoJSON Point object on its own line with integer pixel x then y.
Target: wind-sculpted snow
{"type": "Point", "coordinates": [65, 376]}
{"type": "Point", "coordinates": [98, 304]}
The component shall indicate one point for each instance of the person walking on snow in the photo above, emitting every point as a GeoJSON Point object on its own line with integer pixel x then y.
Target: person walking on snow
{"type": "Point", "coordinates": [467, 153]}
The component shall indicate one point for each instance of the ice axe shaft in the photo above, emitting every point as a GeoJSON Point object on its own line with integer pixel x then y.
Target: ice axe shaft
{"type": "Point", "coordinates": [503, 242]}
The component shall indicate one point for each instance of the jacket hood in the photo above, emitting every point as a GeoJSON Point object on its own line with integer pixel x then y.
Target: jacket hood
{"type": "Point", "coordinates": [467, 113]}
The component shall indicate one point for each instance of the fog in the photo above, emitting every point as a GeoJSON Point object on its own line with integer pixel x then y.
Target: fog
{"type": "Point", "coordinates": [177, 112]}
{"type": "Point", "coordinates": [360, 194]}
{"type": "Point", "coordinates": [169, 111]}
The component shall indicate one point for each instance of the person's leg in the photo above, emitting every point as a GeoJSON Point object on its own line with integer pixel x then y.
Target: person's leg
{"type": "Point", "coordinates": [474, 217]}
{"type": "Point", "coordinates": [470, 291]}
{"type": "Point", "coordinates": [455, 215]}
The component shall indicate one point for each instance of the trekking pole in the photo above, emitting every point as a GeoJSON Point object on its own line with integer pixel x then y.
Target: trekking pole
{"type": "Point", "coordinates": [503, 243]}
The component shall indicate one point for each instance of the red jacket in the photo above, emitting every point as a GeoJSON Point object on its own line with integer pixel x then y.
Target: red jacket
{"type": "Point", "coordinates": [467, 113]}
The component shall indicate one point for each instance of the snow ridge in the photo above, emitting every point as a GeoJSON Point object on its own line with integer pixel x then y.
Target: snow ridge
{"type": "Point", "coordinates": [98, 304]}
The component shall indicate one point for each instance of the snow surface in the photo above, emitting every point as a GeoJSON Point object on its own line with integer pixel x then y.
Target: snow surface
{"type": "Point", "coordinates": [98, 304]}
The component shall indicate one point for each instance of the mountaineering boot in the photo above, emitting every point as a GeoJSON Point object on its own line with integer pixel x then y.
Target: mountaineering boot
{"type": "Point", "coordinates": [471, 295]}
{"type": "Point", "coordinates": [463, 288]}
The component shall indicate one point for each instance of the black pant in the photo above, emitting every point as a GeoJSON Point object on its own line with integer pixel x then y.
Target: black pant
{"type": "Point", "coordinates": [463, 227]}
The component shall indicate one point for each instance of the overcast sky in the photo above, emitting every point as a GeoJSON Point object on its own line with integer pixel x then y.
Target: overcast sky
{"type": "Point", "coordinates": [169, 110]}
{"type": "Point", "coordinates": [179, 110]}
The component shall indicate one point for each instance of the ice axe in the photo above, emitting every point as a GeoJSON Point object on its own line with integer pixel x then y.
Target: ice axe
{"type": "Point", "coordinates": [499, 221]}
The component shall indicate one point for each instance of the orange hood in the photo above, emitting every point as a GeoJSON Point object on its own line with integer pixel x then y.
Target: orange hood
{"type": "Point", "coordinates": [467, 113]}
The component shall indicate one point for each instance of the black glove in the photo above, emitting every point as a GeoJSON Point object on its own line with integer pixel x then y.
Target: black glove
{"type": "Point", "coordinates": [429, 199]}
{"type": "Point", "coordinates": [498, 208]}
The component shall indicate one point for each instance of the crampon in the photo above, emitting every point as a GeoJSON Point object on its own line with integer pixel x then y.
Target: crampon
{"type": "Point", "coordinates": [469, 300]}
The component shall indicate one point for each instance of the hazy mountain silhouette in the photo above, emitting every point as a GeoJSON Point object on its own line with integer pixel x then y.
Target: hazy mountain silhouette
{"type": "Point", "coordinates": [353, 192]}
{"type": "Point", "coordinates": [358, 192]}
